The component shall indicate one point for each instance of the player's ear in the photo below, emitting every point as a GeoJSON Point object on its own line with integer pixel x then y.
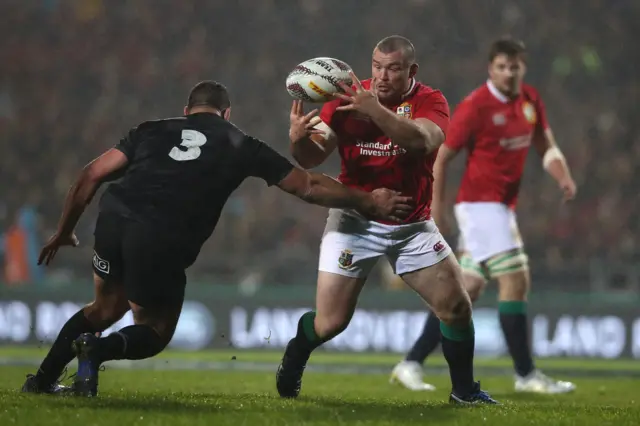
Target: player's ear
{"type": "Point", "coordinates": [413, 70]}
{"type": "Point", "coordinates": [186, 110]}
{"type": "Point", "coordinates": [226, 114]}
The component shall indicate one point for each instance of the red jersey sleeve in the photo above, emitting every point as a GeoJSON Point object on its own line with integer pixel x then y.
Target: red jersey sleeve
{"type": "Point", "coordinates": [434, 107]}
{"type": "Point", "coordinates": [328, 113]}
{"type": "Point", "coordinates": [541, 112]}
{"type": "Point", "coordinates": [462, 126]}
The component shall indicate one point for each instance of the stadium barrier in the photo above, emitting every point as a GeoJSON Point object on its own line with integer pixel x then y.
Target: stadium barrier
{"type": "Point", "coordinates": [220, 317]}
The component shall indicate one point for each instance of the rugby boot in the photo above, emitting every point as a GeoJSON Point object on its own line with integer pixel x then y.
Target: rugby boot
{"type": "Point", "coordinates": [536, 382]}
{"type": "Point", "coordinates": [34, 385]}
{"type": "Point", "coordinates": [290, 370]}
{"type": "Point", "coordinates": [409, 374]}
{"type": "Point", "coordinates": [475, 397]}
{"type": "Point", "coordinates": [85, 382]}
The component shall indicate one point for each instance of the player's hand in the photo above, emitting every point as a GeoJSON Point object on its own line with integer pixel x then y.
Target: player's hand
{"type": "Point", "coordinates": [568, 188]}
{"type": "Point", "coordinates": [50, 249]}
{"type": "Point", "coordinates": [360, 99]}
{"type": "Point", "coordinates": [301, 126]}
{"type": "Point", "coordinates": [390, 205]}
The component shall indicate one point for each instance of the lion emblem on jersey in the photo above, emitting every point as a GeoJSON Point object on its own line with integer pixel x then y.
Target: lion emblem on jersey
{"type": "Point", "coordinates": [346, 259]}
{"type": "Point", "coordinates": [404, 110]}
{"type": "Point", "coordinates": [529, 112]}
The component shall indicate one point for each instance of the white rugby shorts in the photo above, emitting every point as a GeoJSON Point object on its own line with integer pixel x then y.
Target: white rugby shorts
{"type": "Point", "coordinates": [486, 229]}
{"type": "Point", "coordinates": [351, 245]}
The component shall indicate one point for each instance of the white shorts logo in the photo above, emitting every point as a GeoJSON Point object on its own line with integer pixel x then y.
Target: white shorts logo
{"type": "Point", "coordinates": [345, 261]}
{"type": "Point", "coordinates": [100, 264]}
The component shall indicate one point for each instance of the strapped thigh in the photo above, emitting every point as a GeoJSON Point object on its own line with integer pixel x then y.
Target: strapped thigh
{"type": "Point", "coordinates": [505, 263]}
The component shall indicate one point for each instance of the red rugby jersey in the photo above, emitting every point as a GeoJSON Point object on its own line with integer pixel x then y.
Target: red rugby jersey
{"type": "Point", "coordinates": [497, 133]}
{"type": "Point", "coordinates": [370, 159]}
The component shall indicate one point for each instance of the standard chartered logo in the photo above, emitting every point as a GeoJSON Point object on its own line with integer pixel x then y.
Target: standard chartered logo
{"type": "Point", "coordinates": [379, 149]}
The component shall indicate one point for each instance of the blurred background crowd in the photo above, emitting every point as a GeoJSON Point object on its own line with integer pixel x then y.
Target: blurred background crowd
{"type": "Point", "coordinates": [77, 74]}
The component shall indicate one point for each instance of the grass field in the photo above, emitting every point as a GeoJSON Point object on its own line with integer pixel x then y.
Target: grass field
{"type": "Point", "coordinates": [223, 392]}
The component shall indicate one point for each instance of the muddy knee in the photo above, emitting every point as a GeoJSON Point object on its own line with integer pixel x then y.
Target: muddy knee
{"type": "Point", "coordinates": [455, 311]}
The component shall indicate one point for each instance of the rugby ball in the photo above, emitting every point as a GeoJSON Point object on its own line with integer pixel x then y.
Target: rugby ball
{"type": "Point", "coordinates": [316, 80]}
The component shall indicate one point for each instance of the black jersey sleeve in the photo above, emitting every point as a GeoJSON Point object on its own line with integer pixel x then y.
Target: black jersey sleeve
{"type": "Point", "coordinates": [264, 162]}
{"type": "Point", "coordinates": [129, 143]}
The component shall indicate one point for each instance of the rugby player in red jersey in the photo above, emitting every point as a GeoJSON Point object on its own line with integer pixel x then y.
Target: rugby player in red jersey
{"type": "Point", "coordinates": [387, 131]}
{"type": "Point", "coordinates": [497, 124]}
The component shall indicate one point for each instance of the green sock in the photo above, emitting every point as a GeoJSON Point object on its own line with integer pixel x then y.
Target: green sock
{"type": "Point", "coordinates": [512, 307]}
{"type": "Point", "coordinates": [306, 336]}
{"type": "Point", "coordinates": [458, 345]}
{"type": "Point", "coordinates": [457, 334]}
{"type": "Point", "coordinates": [513, 320]}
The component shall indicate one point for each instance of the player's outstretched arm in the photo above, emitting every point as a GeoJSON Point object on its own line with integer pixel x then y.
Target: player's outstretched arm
{"type": "Point", "coordinates": [419, 134]}
{"type": "Point", "coordinates": [316, 188]}
{"type": "Point", "coordinates": [312, 141]}
{"type": "Point", "coordinates": [554, 162]}
{"type": "Point", "coordinates": [79, 196]}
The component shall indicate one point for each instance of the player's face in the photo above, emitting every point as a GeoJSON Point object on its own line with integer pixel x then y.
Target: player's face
{"type": "Point", "coordinates": [390, 75]}
{"type": "Point", "coordinates": [506, 73]}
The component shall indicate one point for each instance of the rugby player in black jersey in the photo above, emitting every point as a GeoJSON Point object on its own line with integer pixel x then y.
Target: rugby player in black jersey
{"type": "Point", "coordinates": [176, 175]}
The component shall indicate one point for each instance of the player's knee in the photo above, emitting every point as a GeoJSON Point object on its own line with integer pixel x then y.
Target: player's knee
{"type": "Point", "coordinates": [454, 309]}
{"type": "Point", "coordinates": [459, 312]}
{"type": "Point", "coordinates": [165, 331]}
{"type": "Point", "coordinates": [474, 294]}
{"type": "Point", "coordinates": [513, 287]}
{"type": "Point", "coordinates": [162, 321]}
{"type": "Point", "coordinates": [474, 275]}
{"type": "Point", "coordinates": [474, 286]}
{"type": "Point", "coordinates": [103, 313]}
{"type": "Point", "coordinates": [329, 326]}
{"type": "Point", "coordinates": [512, 273]}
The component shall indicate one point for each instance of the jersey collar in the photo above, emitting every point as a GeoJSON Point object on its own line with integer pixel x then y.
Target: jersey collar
{"type": "Point", "coordinates": [496, 93]}
{"type": "Point", "coordinates": [409, 91]}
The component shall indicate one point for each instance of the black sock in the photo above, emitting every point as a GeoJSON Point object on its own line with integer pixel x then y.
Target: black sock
{"type": "Point", "coordinates": [428, 340]}
{"type": "Point", "coordinates": [513, 319]}
{"type": "Point", "coordinates": [132, 342]}
{"type": "Point", "coordinates": [61, 353]}
{"type": "Point", "coordinates": [306, 338]}
{"type": "Point", "coordinates": [458, 346]}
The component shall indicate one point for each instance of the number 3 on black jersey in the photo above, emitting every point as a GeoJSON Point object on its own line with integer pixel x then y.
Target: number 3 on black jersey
{"type": "Point", "coordinates": [192, 140]}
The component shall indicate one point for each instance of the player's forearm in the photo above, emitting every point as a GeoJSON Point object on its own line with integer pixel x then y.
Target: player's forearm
{"type": "Point", "coordinates": [559, 171]}
{"type": "Point", "coordinates": [307, 153]}
{"type": "Point", "coordinates": [78, 197]}
{"type": "Point", "coordinates": [439, 179]}
{"type": "Point", "coordinates": [404, 132]}
{"type": "Point", "coordinates": [555, 164]}
{"type": "Point", "coordinates": [327, 192]}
